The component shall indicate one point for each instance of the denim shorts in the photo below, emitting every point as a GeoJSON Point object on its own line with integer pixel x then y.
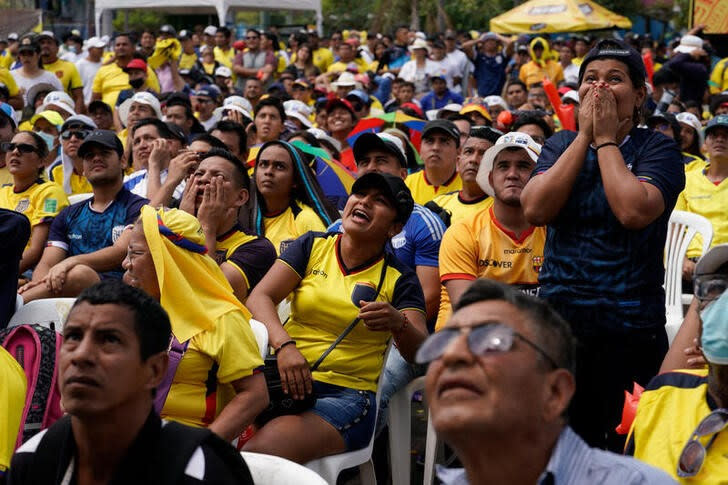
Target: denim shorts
{"type": "Point", "coordinates": [350, 411]}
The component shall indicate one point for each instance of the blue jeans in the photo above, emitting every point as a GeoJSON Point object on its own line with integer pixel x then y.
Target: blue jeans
{"type": "Point", "coordinates": [397, 374]}
{"type": "Point", "coordinates": [350, 411]}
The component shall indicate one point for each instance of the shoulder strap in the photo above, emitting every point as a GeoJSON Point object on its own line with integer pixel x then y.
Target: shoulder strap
{"type": "Point", "coordinates": [353, 323]}
{"type": "Point", "coordinates": [176, 352]}
{"type": "Point", "coordinates": [177, 444]}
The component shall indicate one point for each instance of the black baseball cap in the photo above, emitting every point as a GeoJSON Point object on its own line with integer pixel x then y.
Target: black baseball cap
{"type": "Point", "coordinates": [619, 50]}
{"type": "Point", "coordinates": [393, 187]}
{"type": "Point", "coordinates": [446, 126]}
{"type": "Point", "coordinates": [177, 132]}
{"type": "Point", "coordinates": [28, 43]}
{"type": "Point", "coordinates": [367, 142]}
{"type": "Point", "coordinates": [104, 138]}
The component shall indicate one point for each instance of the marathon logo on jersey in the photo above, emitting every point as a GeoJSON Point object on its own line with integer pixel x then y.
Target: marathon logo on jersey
{"type": "Point", "coordinates": [22, 206]}
{"type": "Point", "coordinates": [116, 232]}
{"type": "Point", "coordinates": [518, 251]}
{"type": "Point", "coordinates": [320, 272]}
{"type": "Point", "coordinates": [494, 263]}
{"type": "Point", "coordinates": [537, 262]}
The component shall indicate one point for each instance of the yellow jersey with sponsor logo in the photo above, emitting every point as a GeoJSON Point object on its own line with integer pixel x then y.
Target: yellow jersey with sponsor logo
{"type": "Point", "coordinates": [290, 224]}
{"type": "Point", "coordinates": [480, 247]}
{"type": "Point", "coordinates": [458, 208]}
{"type": "Point", "coordinates": [423, 191]}
{"type": "Point", "coordinates": [251, 255]}
{"type": "Point", "coordinates": [323, 305]}
{"type": "Point", "coordinates": [703, 197]}
{"type": "Point", "coordinates": [67, 73]}
{"type": "Point", "coordinates": [41, 202]}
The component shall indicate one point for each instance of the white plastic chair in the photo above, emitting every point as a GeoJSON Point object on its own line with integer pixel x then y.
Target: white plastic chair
{"type": "Point", "coordinates": [329, 467]}
{"type": "Point", "coordinates": [683, 226]}
{"type": "Point", "coordinates": [433, 448]}
{"type": "Point", "coordinates": [48, 312]}
{"type": "Point", "coordinates": [261, 336]}
{"type": "Point", "coordinates": [400, 431]}
{"type": "Point", "coordinates": [274, 470]}
{"type": "Point", "coordinates": [74, 198]}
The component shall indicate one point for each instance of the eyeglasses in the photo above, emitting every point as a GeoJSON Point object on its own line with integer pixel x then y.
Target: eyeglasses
{"type": "Point", "coordinates": [8, 147]}
{"type": "Point", "coordinates": [708, 287]}
{"type": "Point", "coordinates": [693, 454]}
{"type": "Point", "coordinates": [484, 338]}
{"type": "Point", "coordinates": [80, 134]}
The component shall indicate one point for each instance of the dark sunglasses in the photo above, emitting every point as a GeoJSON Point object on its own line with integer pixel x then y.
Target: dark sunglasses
{"type": "Point", "coordinates": [693, 454]}
{"type": "Point", "coordinates": [708, 287]}
{"type": "Point", "coordinates": [8, 147]}
{"type": "Point", "coordinates": [80, 134]}
{"type": "Point", "coordinates": [482, 339]}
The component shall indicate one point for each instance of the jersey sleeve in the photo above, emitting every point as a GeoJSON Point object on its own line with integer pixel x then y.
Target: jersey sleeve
{"type": "Point", "coordinates": [552, 150]}
{"type": "Point", "coordinates": [50, 201]}
{"type": "Point", "coordinates": [408, 293]}
{"type": "Point", "coordinates": [660, 164]}
{"type": "Point", "coordinates": [253, 259]}
{"type": "Point", "coordinates": [298, 252]}
{"type": "Point", "coordinates": [58, 232]}
{"type": "Point", "coordinates": [232, 346]}
{"type": "Point", "coordinates": [134, 209]}
{"type": "Point", "coordinates": [75, 81]}
{"type": "Point", "coordinates": [427, 238]}
{"type": "Point", "coordinates": [98, 84]}
{"type": "Point", "coordinates": [458, 253]}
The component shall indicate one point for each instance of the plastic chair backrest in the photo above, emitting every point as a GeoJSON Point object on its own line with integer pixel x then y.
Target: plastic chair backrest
{"type": "Point", "coordinates": [261, 336]}
{"type": "Point", "coordinates": [74, 198]}
{"type": "Point", "coordinates": [274, 470]}
{"type": "Point", "coordinates": [49, 312]}
{"type": "Point", "coordinates": [681, 229]}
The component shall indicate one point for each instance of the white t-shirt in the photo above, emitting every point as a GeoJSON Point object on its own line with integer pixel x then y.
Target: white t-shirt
{"type": "Point", "coordinates": [87, 70]}
{"type": "Point", "coordinates": [571, 73]}
{"type": "Point", "coordinates": [421, 77]}
{"type": "Point", "coordinates": [25, 83]}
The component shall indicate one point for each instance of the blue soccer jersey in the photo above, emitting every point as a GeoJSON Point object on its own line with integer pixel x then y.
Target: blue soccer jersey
{"type": "Point", "coordinates": [79, 229]}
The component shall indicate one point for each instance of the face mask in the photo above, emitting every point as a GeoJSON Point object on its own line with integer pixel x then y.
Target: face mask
{"type": "Point", "coordinates": [714, 339]}
{"type": "Point", "coordinates": [136, 83]}
{"type": "Point", "coordinates": [49, 139]}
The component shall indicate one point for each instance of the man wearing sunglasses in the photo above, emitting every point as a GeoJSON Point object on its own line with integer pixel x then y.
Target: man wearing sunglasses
{"type": "Point", "coordinates": [498, 386]}
{"type": "Point", "coordinates": [8, 128]}
{"type": "Point", "coordinates": [68, 171]}
{"type": "Point", "coordinates": [680, 424]}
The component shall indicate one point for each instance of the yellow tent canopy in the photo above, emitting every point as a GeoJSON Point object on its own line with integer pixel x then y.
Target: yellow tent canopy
{"type": "Point", "coordinates": [549, 16]}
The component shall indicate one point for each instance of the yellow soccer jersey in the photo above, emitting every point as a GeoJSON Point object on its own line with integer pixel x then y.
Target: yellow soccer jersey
{"type": "Point", "coordinates": [231, 351]}
{"type": "Point", "coordinates": [290, 224]}
{"type": "Point", "coordinates": [423, 191]}
{"type": "Point", "coordinates": [322, 58]}
{"type": "Point", "coordinates": [67, 73]}
{"type": "Point", "coordinates": [187, 61]}
{"type": "Point", "coordinates": [339, 66]}
{"type": "Point", "coordinates": [458, 208]}
{"type": "Point", "coordinates": [322, 307]}
{"type": "Point", "coordinates": [703, 197]}
{"type": "Point", "coordinates": [79, 183]}
{"type": "Point", "coordinates": [9, 81]}
{"type": "Point", "coordinates": [669, 410]}
{"type": "Point", "coordinates": [12, 402]}
{"type": "Point", "coordinates": [224, 57]}
{"type": "Point", "coordinates": [480, 247]}
{"type": "Point", "coordinates": [6, 60]}
{"type": "Point", "coordinates": [110, 80]}
{"type": "Point", "coordinates": [41, 202]}
{"type": "Point", "coordinates": [5, 176]}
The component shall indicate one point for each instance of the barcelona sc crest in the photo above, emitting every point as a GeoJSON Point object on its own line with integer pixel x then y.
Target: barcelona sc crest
{"type": "Point", "coordinates": [537, 263]}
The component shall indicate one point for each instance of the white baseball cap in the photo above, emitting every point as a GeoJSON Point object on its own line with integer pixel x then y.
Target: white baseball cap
{"type": "Point", "coordinates": [345, 79]}
{"type": "Point", "coordinates": [60, 99]}
{"type": "Point", "coordinates": [235, 103]}
{"type": "Point", "coordinates": [571, 96]}
{"type": "Point", "coordinates": [495, 101]}
{"type": "Point", "coordinates": [299, 110]}
{"type": "Point", "coordinates": [513, 139]}
{"type": "Point", "coordinates": [223, 71]}
{"type": "Point", "coordinates": [210, 30]}
{"type": "Point", "coordinates": [689, 43]}
{"type": "Point", "coordinates": [693, 122]}
{"type": "Point", "coordinates": [96, 42]}
{"type": "Point", "coordinates": [142, 97]}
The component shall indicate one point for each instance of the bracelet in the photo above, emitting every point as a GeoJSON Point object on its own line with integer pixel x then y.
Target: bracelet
{"type": "Point", "coordinates": [287, 342]}
{"type": "Point", "coordinates": [607, 144]}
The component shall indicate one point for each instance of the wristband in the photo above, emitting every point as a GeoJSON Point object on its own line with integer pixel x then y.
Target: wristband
{"type": "Point", "coordinates": [607, 144]}
{"type": "Point", "coordinates": [287, 342]}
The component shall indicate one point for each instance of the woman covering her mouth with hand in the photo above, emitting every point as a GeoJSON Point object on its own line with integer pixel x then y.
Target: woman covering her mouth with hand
{"type": "Point", "coordinates": [334, 279]}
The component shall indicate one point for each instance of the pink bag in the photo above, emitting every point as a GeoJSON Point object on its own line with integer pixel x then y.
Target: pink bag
{"type": "Point", "coordinates": [36, 349]}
